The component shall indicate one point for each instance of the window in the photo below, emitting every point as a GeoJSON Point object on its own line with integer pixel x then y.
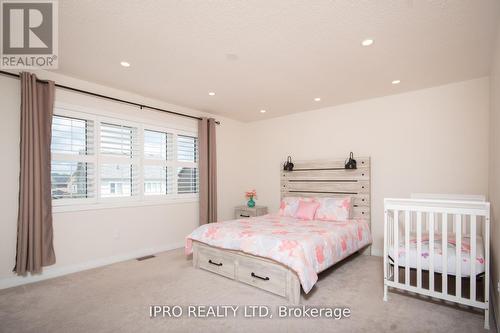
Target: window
{"type": "Point", "coordinates": [117, 140]}
{"type": "Point", "coordinates": [97, 160]}
{"type": "Point", "coordinates": [117, 180]}
{"type": "Point", "coordinates": [187, 170]}
{"type": "Point", "coordinates": [187, 180]}
{"type": "Point", "coordinates": [158, 163]}
{"type": "Point", "coordinates": [119, 160]}
{"type": "Point", "coordinates": [73, 163]}
{"type": "Point", "coordinates": [187, 148]}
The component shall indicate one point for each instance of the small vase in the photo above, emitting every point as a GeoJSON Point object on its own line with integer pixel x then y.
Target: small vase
{"type": "Point", "coordinates": [251, 203]}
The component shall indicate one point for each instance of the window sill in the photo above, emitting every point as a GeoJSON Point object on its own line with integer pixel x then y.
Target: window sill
{"type": "Point", "coordinates": [127, 204]}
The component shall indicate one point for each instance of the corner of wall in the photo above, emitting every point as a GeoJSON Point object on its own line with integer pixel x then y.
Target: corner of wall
{"type": "Point", "coordinates": [494, 174]}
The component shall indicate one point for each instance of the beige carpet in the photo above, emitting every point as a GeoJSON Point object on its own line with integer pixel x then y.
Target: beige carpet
{"type": "Point", "coordinates": [116, 298]}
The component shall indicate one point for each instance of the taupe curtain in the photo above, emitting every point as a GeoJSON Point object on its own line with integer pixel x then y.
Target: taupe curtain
{"type": "Point", "coordinates": [34, 223]}
{"type": "Point", "coordinates": [208, 170]}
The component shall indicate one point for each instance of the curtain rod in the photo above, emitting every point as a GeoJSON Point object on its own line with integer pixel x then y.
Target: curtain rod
{"type": "Point", "coordinates": [141, 106]}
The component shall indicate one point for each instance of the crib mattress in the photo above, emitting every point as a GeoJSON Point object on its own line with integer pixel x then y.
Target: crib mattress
{"type": "Point", "coordinates": [438, 256]}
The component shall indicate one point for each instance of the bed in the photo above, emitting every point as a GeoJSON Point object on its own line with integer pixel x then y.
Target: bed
{"type": "Point", "coordinates": [281, 254]}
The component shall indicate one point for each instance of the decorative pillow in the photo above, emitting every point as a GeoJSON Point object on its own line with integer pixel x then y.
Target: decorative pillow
{"type": "Point", "coordinates": [306, 210]}
{"type": "Point", "coordinates": [289, 206]}
{"type": "Point", "coordinates": [334, 209]}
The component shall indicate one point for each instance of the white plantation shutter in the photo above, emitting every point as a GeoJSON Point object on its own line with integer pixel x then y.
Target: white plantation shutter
{"type": "Point", "coordinates": [158, 180]}
{"type": "Point", "coordinates": [158, 145]}
{"type": "Point", "coordinates": [72, 136]}
{"type": "Point", "coordinates": [187, 180]}
{"type": "Point", "coordinates": [118, 140]}
{"type": "Point", "coordinates": [187, 148]}
{"type": "Point", "coordinates": [119, 160]}
{"type": "Point", "coordinates": [118, 180]}
{"type": "Point", "coordinates": [73, 159]}
{"type": "Point", "coordinates": [158, 163]}
{"type": "Point", "coordinates": [71, 179]}
{"type": "Point", "coordinates": [98, 159]}
{"type": "Point", "coordinates": [187, 164]}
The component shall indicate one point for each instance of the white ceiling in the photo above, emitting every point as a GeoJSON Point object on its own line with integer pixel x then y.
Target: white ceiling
{"type": "Point", "coordinates": [276, 55]}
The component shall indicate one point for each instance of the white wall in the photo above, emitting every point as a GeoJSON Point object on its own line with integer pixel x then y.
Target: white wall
{"type": "Point", "coordinates": [494, 183]}
{"type": "Point", "coordinates": [432, 140]}
{"type": "Point", "coordinates": [93, 237]}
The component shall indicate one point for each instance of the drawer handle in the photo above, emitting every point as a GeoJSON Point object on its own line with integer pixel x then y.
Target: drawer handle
{"type": "Point", "coordinates": [214, 263]}
{"type": "Point", "coordinates": [259, 277]}
{"type": "Point", "coordinates": [243, 215]}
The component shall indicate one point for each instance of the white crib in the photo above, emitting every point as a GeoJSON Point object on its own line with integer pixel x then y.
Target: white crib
{"type": "Point", "coordinates": [430, 237]}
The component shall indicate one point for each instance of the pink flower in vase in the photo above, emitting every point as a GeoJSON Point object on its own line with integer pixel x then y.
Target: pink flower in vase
{"type": "Point", "coordinates": [250, 195]}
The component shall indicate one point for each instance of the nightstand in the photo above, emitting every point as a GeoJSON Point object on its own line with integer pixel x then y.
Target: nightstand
{"type": "Point", "coordinates": [246, 212]}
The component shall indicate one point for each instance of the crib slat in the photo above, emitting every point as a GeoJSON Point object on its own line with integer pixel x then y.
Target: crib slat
{"type": "Point", "coordinates": [385, 255]}
{"type": "Point", "coordinates": [444, 255]}
{"type": "Point", "coordinates": [458, 255]}
{"type": "Point", "coordinates": [407, 247]}
{"type": "Point", "coordinates": [431, 251]}
{"type": "Point", "coordinates": [390, 242]}
{"type": "Point", "coordinates": [396, 246]}
{"type": "Point", "coordinates": [473, 257]}
{"type": "Point", "coordinates": [419, 249]}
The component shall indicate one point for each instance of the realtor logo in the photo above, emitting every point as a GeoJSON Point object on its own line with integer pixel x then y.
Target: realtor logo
{"type": "Point", "coordinates": [29, 34]}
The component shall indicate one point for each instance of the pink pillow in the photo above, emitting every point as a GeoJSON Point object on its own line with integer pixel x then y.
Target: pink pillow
{"type": "Point", "coordinates": [334, 209]}
{"type": "Point", "coordinates": [306, 210]}
{"type": "Point", "coordinates": [289, 205]}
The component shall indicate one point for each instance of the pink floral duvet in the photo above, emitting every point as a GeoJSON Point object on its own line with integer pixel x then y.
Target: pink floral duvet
{"type": "Point", "coordinates": [307, 247]}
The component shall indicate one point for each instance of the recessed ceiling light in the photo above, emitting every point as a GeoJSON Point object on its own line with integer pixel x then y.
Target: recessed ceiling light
{"type": "Point", "coordinates": [396, 82]}
{"type": "Point", "coordinates": [367, 42]}
{"type": "Point", "coordinates": [125, 64]}
{"type": "Point", "coordinates": [317, 99]}
{"type": "Point", "coordinates": [211, 93]}
{"type": "Point", "coordinates": [263, 111]}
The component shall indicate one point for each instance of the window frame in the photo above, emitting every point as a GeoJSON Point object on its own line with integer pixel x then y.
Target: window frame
{"type": "Point", "coordinates": [140, 199]}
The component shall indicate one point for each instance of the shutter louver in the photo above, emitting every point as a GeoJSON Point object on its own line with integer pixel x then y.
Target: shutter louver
{"type": "Point", "coordinates": [187, 170]}
{"type": "Point", "coordinates": [118, 140]}
{"type": "Point", "coordinates": [119, 151]}
{"type": "Point", "coordinates": [158, 155]}
{"type": "Point", "coordinates": [72, 166]}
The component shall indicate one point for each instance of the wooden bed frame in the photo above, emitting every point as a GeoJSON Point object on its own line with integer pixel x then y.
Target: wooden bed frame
{"type": "Point", "coordinates": [308, 179]}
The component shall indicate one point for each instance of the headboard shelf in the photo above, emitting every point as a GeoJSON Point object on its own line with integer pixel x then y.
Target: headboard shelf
{"type": "Point", "coordinates": [322, 180]}
{"type": "Point", "coordinates": [332, 174]}
{"type": "Point", "coordinates": [329, 178]}
{"type": "Point", "coordinates": [337, 164]}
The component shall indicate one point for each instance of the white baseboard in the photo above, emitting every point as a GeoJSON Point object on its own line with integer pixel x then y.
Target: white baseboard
{"type": "Point", "coordinates": [49, 273]}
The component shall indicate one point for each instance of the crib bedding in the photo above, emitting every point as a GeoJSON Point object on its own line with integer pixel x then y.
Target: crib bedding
{"type": "Point", "coordinates": [438, 254]}
{"type": "Point", "coordinates": [306, 247]}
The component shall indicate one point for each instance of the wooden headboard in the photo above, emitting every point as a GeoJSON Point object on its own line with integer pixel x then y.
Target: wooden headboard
{"type": "Point", "coordinates": [329, 178]}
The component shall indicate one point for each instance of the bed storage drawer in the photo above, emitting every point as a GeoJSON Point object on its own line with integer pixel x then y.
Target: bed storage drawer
{"type": "Point", "coordinates": [263, 275]}
{"type": "Point", "coordinates": [216, 262]}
